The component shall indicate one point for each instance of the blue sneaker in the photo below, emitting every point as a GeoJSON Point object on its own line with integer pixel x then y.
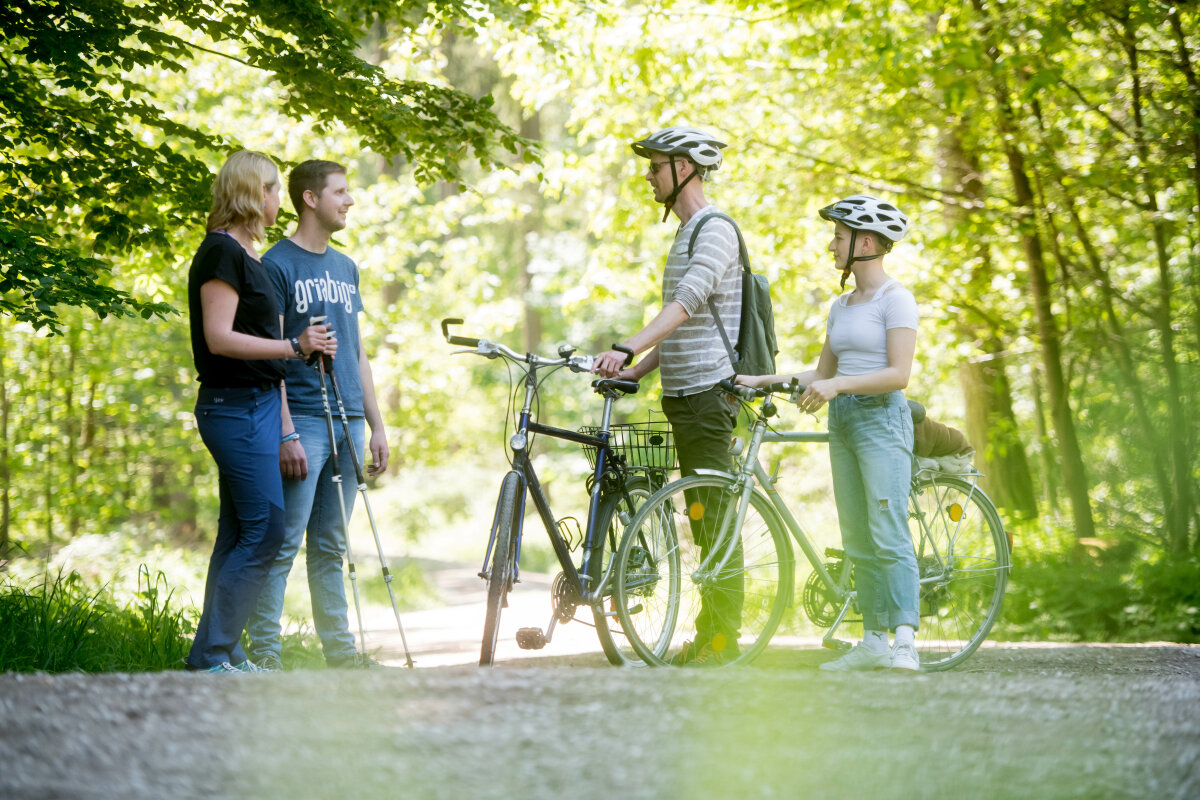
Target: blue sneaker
{"type": "Point", "coordinates": [224, 668]}
{"type": "Point", "coordinates": [250, 666]}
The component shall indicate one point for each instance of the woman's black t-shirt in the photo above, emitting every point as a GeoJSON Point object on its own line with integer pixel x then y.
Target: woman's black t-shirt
{"type": "Point", "coordinates": [221, 257]}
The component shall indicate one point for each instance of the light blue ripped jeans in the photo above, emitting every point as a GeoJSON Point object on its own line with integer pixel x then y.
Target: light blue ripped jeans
{"type": "Point", "coordinates": [870, 452]}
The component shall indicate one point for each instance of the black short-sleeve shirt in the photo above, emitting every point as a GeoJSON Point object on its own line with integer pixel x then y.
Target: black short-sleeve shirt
{"type": "Point", "coordinates": [221, 257]}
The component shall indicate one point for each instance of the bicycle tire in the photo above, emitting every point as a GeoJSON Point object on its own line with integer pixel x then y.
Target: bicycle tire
{"type": "Point", "coordinates": [500, 574]}
{"type": "Point", "coordinates": [963, 565]}
{"type": "Point", "coordinates": [659, 613]}
{"type": "Point", "coordinates": [615, 513]}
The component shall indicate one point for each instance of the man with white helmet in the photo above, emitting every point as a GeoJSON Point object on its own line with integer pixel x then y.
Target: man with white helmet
{"type": "Point", "coordinates": [864, 367]}
{"type": "Point", "coordinates": [684, 344]}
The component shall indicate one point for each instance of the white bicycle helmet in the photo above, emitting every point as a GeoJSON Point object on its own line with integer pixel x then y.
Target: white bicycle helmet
{"type": "Point", "coordinates": [699, 146]}
{"type": "Point", "coordinates": [866, 213]}
{"type": "Point", "coordinates": [862, 212]}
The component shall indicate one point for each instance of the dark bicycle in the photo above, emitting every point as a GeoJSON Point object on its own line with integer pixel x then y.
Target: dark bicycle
{"type": "Point", "coordinates": [629, 462]}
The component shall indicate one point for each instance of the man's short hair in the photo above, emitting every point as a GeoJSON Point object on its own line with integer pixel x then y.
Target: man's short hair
{"type": "Point", "coordinates": [310, 176]}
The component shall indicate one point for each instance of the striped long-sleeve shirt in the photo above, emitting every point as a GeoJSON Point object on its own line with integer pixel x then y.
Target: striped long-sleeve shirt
{"type": "Point", "coordinates": [693, 358]}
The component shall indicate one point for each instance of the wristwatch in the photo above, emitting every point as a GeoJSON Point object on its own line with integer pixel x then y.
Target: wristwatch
{"type": "Point", "coordinates": [296, 347]}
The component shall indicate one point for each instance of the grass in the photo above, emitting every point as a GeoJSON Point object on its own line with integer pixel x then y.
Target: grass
{"type": "Point", "coordinates": [61, 625]}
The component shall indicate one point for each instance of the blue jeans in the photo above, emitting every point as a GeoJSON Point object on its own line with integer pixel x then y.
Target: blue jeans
{"type": "Point", "coordinates": [240, 427]}
{"type": "Point", "coordinates": [870, 451]}
{"type": "Point", "coordinates": [312, 506]}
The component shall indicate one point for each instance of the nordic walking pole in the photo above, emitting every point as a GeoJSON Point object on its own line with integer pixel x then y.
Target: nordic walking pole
{"type": "Point", "coordinates": [363, 489]}
{"type": "Point", "coordinates": [337, 479]}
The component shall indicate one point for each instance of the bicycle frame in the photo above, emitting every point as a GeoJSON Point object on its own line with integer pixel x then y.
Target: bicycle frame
{"type": "Point", "coordinates": [531, 487]}
{"type": "Point", "coordinates": [751, 471]}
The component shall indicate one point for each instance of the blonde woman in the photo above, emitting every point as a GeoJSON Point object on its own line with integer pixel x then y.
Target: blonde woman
{"type": "Point", "coordinates": [239, 359]}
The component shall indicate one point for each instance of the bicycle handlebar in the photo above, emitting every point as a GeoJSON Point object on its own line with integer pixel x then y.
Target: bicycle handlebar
{"type": "Point", "coordinates": [791, 388]}
{"type": "Point", "coordinates": [489, 349]}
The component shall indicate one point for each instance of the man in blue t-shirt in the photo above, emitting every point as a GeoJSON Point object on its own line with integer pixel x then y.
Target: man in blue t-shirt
{"type": "Point", "coordinates": [313, 279]}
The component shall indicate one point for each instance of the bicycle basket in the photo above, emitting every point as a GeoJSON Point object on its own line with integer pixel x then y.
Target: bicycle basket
{"type": "Point", "coordinates": [643, 444]}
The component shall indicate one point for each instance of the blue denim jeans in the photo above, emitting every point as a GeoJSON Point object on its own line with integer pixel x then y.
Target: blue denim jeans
{"type": "Point", "coordinates": [870, 451]}
{"type": "Point", "coordinates": [312, 507]}
{"type": "Point", "coordinates": [240, 427]}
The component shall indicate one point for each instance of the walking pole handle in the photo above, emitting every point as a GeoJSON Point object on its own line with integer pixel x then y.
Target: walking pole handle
{"type": "Point", "coordinates": [326, 361]}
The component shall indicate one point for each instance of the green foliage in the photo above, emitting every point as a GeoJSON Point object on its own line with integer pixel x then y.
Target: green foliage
{"type": "Point", "coordinates": [1101, 593]}
{"type": "Point", "coordinates": [920, 102]}
{"type": "Point", "coordinates": [61, 625]}
{"type": "Point", "coordinates": [411, 585]}
{"type": "Point", "coordinates": [96, 163]}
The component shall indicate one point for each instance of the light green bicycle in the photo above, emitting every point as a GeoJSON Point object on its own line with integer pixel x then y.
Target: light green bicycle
{"type": "Point", "coordinates": [718, 533]}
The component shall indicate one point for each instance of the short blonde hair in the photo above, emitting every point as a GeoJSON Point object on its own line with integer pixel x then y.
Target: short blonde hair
{"type": "Point", "coordinates": [238, 192]}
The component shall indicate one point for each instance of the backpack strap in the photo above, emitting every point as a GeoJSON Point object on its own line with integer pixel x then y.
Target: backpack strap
{"type": "Point", "coordinates": [745, 257]}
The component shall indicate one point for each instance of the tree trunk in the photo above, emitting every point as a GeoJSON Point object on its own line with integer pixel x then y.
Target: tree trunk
{"type": "Point", "coordinates": [49, 452]}
{"type": "Point", "coordinates": [531, 128]}
{"type": "Point", "coordinates": [991, 423]}
{"type": "Point", "coordinates": [1045, 446]}
{"type": "Point", "coordinates": [1074, 474]}
{"type": "Point", "coordinates": [70, 497]}
{"type": "Point", "coordinates": [1182, 438]}
{"type": "Point", "coordinates": [992, 428]}
{"type": "Point", "coordinates": [5, 473]}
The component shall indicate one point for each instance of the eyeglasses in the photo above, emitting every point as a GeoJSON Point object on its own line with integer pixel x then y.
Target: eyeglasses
{"type": "Point", "coordinates": [655, 166]}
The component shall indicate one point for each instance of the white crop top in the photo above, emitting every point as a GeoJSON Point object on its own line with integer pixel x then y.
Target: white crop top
{"type": "Point", "coordinates": [858, 334]}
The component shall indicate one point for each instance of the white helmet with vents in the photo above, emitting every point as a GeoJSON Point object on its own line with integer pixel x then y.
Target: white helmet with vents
{"type": "Point", "coordinates": [700, 147]}
{"type": "Point", "coordinates": [866, 213]}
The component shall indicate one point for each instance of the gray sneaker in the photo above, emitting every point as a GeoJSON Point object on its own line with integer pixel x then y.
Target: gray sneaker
{"type": "Point", "coordinates": [904, 658]}
{"type": "Point", "coordinates": [249, 666]}
{"type": "Point", "coordinates": [270, 663]}
{"type": "Point", "coordinates": [859, 659]}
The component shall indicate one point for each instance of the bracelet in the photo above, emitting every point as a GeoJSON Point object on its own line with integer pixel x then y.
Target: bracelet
{"type": "Point", "coordinates": [291, 437]}
{"type": "Point", "coordinates": [296, 346]}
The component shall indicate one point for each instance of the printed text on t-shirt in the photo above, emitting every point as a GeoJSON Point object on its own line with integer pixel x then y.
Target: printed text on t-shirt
{"type": "Point", "coordinates": [326, 290]}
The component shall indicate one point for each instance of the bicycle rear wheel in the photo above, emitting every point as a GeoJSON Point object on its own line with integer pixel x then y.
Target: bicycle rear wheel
{"type": "Point", "coordinates": [616, 512]}
{"type": "Point", "coordinates": [500, 575]}
{"type": "Point", "coordinates": [674, 597]}
{"type": "Point", "coordinates": [963, 562]}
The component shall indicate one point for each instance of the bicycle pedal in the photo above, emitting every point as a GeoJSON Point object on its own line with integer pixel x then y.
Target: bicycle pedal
{"type": "Point", "coordinates": [530, 638]}
{"type": "Point", "coordinates": [836, 644]}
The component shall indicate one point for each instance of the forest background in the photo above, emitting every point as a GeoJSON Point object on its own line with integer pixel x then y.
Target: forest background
{"type": "Point", "coordinates": [1048, 155]}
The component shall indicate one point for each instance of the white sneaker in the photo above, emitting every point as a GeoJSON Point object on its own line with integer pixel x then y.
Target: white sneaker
{"type": "Point", "coordinates": [904, 658]}
{"type": "Point", "coordinates": [859, 659]}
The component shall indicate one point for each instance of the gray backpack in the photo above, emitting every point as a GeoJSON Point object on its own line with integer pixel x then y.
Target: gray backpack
{"type": "Point", "coordinates": [756, 348]}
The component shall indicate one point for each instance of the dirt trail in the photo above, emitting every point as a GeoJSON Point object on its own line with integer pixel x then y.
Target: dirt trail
{"type": "Point", "coordinates": [1029, 721]}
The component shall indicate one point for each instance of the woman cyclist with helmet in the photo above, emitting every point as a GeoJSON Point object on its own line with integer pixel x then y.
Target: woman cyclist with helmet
{"type": "Point", "coordinates": [864, 367]}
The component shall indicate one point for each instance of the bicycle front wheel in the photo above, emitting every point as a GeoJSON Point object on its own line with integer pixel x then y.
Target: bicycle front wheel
{"type": "Point", "coordinates": [963, 562]}
{"type": "Point", "coordinates": [689, 586]}
{"type": "Point", "coordinates": [500, 575]}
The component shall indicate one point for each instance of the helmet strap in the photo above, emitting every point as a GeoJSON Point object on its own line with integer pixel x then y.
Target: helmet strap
{"type": "Point", "coordinates": [851, 258]}
{"type": "Point", "coordinates": [669, 203]}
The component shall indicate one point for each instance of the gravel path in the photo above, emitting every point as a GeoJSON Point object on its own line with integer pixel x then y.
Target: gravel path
{"type": "Point", "coordinates": [1015, 722]}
